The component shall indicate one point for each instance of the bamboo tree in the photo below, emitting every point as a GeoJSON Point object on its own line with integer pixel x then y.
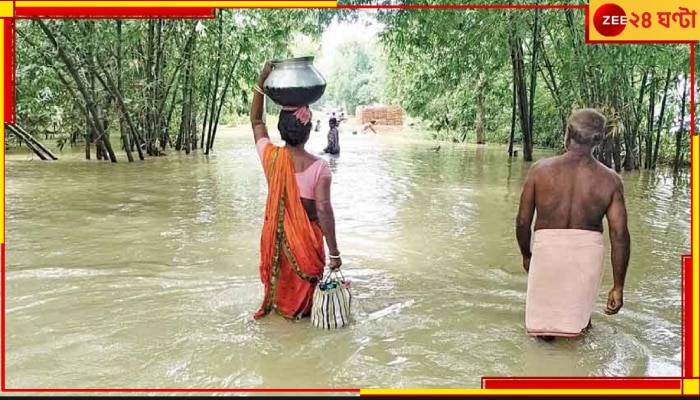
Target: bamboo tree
{"type": "Point", "coordinates": [72, 70]}
{"type": "Point", "coordinates": [206, 109]}
{"type": "Point", "coordinates": [215, 89]}
{"type": "Point", "coordinates": [660, 123]}
{"type": "Point", "coordinates": [681, 131]}
{"type": "Point", "coordinates": [533, 78]}
{"type": "Point", "coordinates": [229, 78]}
{"type": "Point", "coordinates": [120, 54]}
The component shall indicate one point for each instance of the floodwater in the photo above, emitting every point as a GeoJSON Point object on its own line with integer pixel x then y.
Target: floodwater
{"type": "Point", "coordinates": [146, 275]}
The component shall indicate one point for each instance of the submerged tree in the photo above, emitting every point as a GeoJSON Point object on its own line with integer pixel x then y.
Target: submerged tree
{"type": "Point", "coordinates": [537, 69]}
{"type": "Point", "coordinates": [481, 75]}
{"type": "Point", "coordinates": [153, 84]}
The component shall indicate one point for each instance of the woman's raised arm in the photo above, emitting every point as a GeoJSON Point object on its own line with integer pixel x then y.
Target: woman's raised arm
{"type": "Point", "coordinates": [256, 109]}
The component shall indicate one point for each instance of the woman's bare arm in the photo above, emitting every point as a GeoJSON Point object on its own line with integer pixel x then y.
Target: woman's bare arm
{"type": "Point", "coordinates": [256, 109]}
{"type": "Point", "coordinates": [326, 218]}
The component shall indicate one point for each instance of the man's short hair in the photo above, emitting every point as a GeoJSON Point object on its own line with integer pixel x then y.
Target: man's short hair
{"type": "Point", "coordinates": [586, 127]}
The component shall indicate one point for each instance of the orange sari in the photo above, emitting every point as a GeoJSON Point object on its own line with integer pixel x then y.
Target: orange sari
{"type": "Point", "coordinates": [292, 255]}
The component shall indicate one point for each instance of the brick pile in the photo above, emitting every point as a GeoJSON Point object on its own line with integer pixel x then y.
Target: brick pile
{"type": "Point", "coordinates": [384, 115]}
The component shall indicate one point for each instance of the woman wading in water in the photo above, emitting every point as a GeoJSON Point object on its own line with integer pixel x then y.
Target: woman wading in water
{"type": "Point", "coordinates": [298, 214]}
{"type": "Point", "coordinates": [333, 146]}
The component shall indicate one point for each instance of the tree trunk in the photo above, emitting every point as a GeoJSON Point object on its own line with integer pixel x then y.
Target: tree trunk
{"type": "Point", "coordinates": [73, 72]}
{"type": "Point", "coordinates": [229, 77]}
{"type": "Point", "coordinates": [480, 89]}
{"type": "Point", "coordinates": [120, 55]}
{"type": "Point", "coordinates": [191, 109]}
{"type": "Point", "coordinates": [516, 56]}
{"type": "Point", "coordinates": [157, 117]}
{"type": "Point", "coordinates": [180, 132]}
{"type": "Point", "coordinates": [533, 71]}
{"type": "Point", "coordinates": [193, 127]}
{"type": "Point", "coordinates": [551, 82]}
{"type": "Point", "coordinates": [110, 86]}
{"type": "Point", "coordinates": [88, 135]}
{"type": "Point", "coordinates": [212, 111]}
{"type": "Point", "coordinates": [206, 108]}
{"type": "Point", "coordinates": [170, 118]}
{"type": "Point", "coordinates": [512, 121]}
{"type": "Point", "coordinates": [617, 157]}
{"type": "Point", "coordinates": [635, 145]}
{"type": "Point", "coordinates": [150, 83]}
{"type": "Point", "coordinates": [176, 74]}
{"type": "Point", "coordinates": [660, 123]}
{"type": "Point", "coordinates": [650, 122]}
{"type": "Point", "coordinates": [183, 133]}
{"type": "Point", "coordinates": [103, 144]}
{"type": "Point", "coordinates": [100, 151]}
{"type": "Point", "coordinates": [73, 95]}
{"type": "Point", "coordinates": [106, 143]}
{"type": "Point", "coordinates": [679, 134]}
{"type": "Point", "coordinates": [606, 152]}
{"type": "Point", "coordinates": [632, 119]}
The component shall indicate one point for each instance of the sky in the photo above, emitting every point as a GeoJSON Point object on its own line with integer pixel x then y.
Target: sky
{"type": "Point", "coordinates": [337, 33]}
{"type": "Point", "coordinates": [366, 28]}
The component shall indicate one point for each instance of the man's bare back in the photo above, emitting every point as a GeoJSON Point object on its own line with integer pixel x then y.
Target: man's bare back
{"type": "Point", "coordinates": [573, 191]}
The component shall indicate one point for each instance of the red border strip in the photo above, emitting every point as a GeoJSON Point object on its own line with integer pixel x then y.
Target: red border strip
{"type": "Point", "coordinates": [115, 12]}
{"type": "Point", "coordinates": [687, 329]}
{"type": "Point", "coordinates": [9, 73]}
{"type": "Point", "coordinates": [582, 383]}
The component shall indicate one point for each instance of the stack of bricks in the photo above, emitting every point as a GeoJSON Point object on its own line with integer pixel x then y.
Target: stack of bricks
{"type": "Point", "coordinates": [391, 115]}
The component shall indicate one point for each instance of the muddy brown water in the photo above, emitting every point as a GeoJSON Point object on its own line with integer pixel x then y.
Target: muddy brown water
{"type": "Point", "coordinates": [145, 275]}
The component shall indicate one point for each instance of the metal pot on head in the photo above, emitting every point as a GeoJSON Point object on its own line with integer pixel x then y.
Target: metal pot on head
{"type": "Point", "coordinates": [294, 82]}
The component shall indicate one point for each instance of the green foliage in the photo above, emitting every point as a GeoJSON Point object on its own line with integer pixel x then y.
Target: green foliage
{"type": "Point", "coordinates": [356, 78]}
{"type": "Point", "coordinates": [427, 60]}
{"type": "Point", "coordinates": [435, 57]}
{"type": "Point", "coordinates": [153, 64]}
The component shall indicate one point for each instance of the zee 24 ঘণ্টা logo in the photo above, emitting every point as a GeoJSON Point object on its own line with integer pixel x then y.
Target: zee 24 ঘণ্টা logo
{"type": "Point", "coordinates": [611, 20]}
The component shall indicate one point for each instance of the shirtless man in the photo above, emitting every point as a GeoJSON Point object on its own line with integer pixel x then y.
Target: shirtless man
{"type": "Point", "coordinates": [572, 193]}
{"type": "Point", "coordinates": [369, 127]}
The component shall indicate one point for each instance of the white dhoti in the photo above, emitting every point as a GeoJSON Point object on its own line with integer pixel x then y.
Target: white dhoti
{"type": "Point", "coordinates": [566, 271]}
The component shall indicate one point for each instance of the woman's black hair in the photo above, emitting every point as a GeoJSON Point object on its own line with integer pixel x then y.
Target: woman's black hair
{"type": "Point", "coordinates": [292, 130]}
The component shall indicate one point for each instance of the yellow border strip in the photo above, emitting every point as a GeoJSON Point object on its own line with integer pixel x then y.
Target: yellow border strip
{"type": "Point", "coordinates": [7, 9]}
{"type": "Point", "coordinates": [213, 4]}
{"type": "Point", "coordinates": [691, 386]}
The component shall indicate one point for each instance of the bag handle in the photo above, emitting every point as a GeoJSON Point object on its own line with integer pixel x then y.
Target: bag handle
{"type": "Point", "coordinates": [334, 272]}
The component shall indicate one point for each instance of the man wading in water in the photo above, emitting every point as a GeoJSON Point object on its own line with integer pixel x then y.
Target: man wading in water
{"type": "Point", "coordinates": [572, 193]}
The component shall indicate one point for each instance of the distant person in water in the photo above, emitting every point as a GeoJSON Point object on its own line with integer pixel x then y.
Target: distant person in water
{"type": "Point", "coordinates": [318, 126]}
{"type": "Point", "coordinates": [333, 146]}
{"type": "Point", "coordinates": [369, 127]}
{"type": "Point", "coordinates": [572, 194]}
{"type": "Point", "coordinates": [298, 214]}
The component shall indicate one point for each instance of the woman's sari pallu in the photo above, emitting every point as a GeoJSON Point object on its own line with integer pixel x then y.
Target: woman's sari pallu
{"type": "Point", "coordinates": [292, 255]}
